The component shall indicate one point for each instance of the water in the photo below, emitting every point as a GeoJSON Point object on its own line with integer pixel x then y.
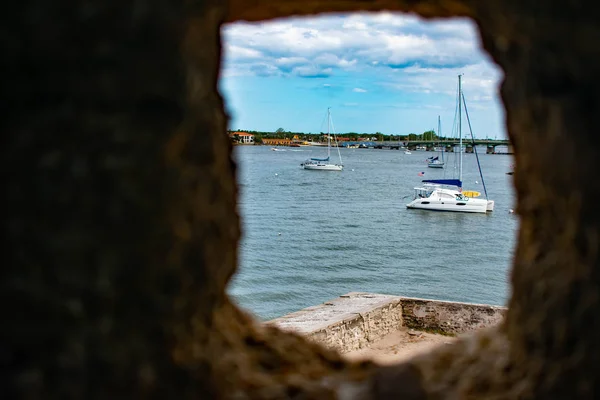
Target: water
{"type": "Point", "coordinates": [309, 236]}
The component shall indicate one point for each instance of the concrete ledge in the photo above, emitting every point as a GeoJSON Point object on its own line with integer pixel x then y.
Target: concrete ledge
{"type": "Point", "coordinates": [347, 323]}
{"type": "Point", "coordinates": [356, 319]}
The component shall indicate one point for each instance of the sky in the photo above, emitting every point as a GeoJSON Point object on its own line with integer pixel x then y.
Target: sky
{"type": "Point", "coordinates": [379, 72]}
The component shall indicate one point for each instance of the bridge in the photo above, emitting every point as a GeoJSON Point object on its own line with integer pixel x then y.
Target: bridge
{"type": "Point", "coordinates": [447, 144]}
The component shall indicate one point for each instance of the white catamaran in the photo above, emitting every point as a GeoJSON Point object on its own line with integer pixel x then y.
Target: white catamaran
{"type": "Point", "coordinates": [323, 164]}
{"type": "Point", "coordinates": [447, 194]}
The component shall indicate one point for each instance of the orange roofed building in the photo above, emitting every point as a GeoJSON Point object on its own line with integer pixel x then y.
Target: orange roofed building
{"type": "Point", "coordinates": [244, 137]}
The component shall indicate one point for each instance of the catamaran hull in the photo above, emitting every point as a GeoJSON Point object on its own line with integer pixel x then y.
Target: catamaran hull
{"type": "Point", "coordinates": [323, 167]}
{"type": "Point", "coordinates": [470, 206]}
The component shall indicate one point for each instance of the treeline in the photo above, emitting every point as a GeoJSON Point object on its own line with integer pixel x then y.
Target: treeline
{"type": "Point", "coordinates": [352, 136]}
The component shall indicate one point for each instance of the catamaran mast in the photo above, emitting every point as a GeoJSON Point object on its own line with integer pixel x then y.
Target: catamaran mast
{"type": "Point", "coordinates": [328, 132]}
{"type": "Point", "coordinates": [460, 165]}
{"type": "Point", "coordinates": [439, 133]}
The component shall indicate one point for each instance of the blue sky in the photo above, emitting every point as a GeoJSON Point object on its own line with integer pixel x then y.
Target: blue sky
{"type": "Point", "coordinates": [383, 72]}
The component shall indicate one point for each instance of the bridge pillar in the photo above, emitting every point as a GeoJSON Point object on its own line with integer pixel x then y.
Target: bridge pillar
{"type": "Point", "coordinates": [491, 149]}
{"type": "Point", "coordinates": [469, 148]}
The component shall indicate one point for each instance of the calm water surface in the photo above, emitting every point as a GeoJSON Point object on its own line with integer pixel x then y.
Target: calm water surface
{"type": "Point", "coordinates": [309, 236]}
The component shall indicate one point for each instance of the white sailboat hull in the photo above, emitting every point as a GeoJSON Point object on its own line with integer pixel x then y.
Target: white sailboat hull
{"type": "Point", "coordinates": [324, 164]}
{"type": "Point", "coordinates": [469, 206]}
{"type": "Point", "coordinates": [432, 196]}
{"type": "Point", "coordinates": [436, 198]}
{"type": "Point", "coordinates": [436, 165]}
{"type": "Point", "coordinates": [323, 167]}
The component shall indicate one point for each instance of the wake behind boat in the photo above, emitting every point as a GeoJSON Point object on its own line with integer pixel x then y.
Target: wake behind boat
{"type": "Point", "coordinates": [324, 164]}
{"type": "Point", "coordinates": [447, 194]}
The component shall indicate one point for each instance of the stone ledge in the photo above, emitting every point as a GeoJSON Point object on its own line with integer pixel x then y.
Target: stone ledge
{"type": "Point", "coordinates": [357, 319]}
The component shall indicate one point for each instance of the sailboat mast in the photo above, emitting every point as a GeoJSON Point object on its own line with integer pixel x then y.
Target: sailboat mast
{"type": "Point", "coordinates": [439, 134]}
{"type": "Point", "coordinates": [460, 165]}
{"type": "Point", "coordinates": [328, 132]}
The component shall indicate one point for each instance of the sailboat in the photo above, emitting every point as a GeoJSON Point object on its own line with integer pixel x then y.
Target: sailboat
{"type": "Point", "coordinates": [323, 164]}
{"type": "Point", "coordinates": [435, 162]}
{"type": "Point", "coordinates": [447, 194]}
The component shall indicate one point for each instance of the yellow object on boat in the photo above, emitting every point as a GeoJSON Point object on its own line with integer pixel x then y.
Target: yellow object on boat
{"type": "Point", "coordinates": [471, 193]}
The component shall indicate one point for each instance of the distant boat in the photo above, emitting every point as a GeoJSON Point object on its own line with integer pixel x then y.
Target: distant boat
{"type": "Point", "coordinates": [323, 164]}
{"type": "Point", "coordinates": [435, 162]}
{"type": "Point", "coordinates": [447, 194]}
{"type": "Point", "coordinates": [407, 151]}
{"type": "Point", "coordinates": [276, 149]}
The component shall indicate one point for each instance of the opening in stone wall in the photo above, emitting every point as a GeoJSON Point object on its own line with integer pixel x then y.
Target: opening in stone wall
{"type": "Point", "coordinates": [309, 236]}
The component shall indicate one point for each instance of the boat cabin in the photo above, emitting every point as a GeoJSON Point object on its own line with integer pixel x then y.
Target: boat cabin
{"type": "Point", "coordinates": [428, 189]}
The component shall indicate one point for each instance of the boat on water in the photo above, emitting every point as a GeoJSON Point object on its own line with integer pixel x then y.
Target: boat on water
{"type": "Point", "coordinates": [443, 195]}
{"type": "Point", "coordinates": [324, 164]}
{"type": "Point", "coordinates": [435, 162]}
{"type": "Point", "coordinates": [407, 151]}
{"type": "Point", "coordinates": [447, 194]}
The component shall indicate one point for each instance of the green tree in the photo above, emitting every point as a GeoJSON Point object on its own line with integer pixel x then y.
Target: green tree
{"type": "Point", "coordinates": [412, 136]}
{"type": "Point", "coordinates": [280, 133]}
{"type": "Point", "coordinates": [429, 135]}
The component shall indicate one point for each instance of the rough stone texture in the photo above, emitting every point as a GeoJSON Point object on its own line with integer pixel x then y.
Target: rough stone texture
{"type": "Point", "coordinates": [121, 226]}
{"type": "Point", "coordinates": [347, 323]}
{"type": "Point", "coordinates": [257, 10]}
{"type": "Point", "coordinates": [120, 217]}
{"type": "Point", "coordinates": [356, 319]}
{"type": "Point", "coordinates": [449, 317]}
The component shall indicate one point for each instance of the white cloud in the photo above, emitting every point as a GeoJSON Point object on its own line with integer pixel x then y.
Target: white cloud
{"type": "Point", "coordinates": [352, 41]}
{"type": "Point", "coordinates": [397, 52]}
{"type": "Point", "coordinates": [234, 52]}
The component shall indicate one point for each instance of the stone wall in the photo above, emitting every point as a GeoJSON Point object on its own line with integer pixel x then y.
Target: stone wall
{"type": "Point", "coordinates": [347, 323]}
{"type": "Point", "coordinates": [449, 317]}
{"type": "Point", "coordinates": [355, 320]}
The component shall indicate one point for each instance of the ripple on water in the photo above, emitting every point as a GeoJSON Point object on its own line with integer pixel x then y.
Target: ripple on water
{"type": "Point", "coordinates": [310, 236]}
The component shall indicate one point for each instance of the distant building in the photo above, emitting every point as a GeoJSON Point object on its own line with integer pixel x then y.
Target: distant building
{"type": "Point", "coordinates": [243, 137]}
{"type": "Point", "coordinates": [276, 142]}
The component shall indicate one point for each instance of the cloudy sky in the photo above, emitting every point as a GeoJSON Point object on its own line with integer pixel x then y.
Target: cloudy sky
{"type": "Point", "coordinates": [390, 73]}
